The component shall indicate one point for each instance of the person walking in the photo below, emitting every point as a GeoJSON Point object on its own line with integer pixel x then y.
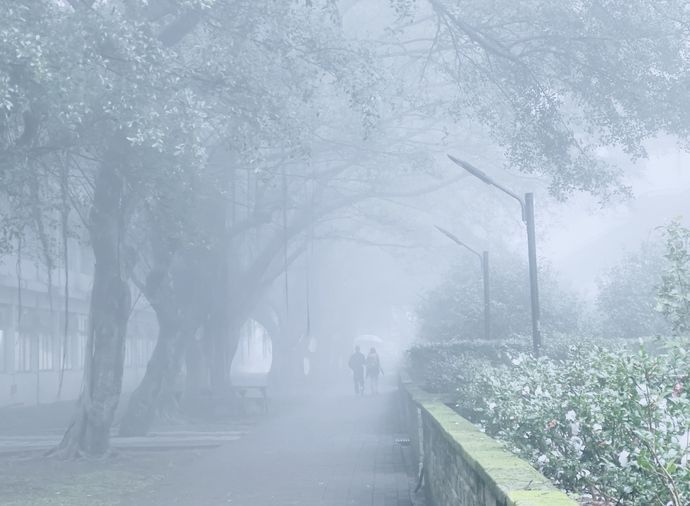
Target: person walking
{"type": "Point", "coordinates": [356, 363]}
{"type": "Point", "coordinates": [373, 366]}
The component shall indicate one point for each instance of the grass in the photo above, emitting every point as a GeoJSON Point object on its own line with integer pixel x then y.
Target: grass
{"type": "Point", "coordinates": [109, 482]}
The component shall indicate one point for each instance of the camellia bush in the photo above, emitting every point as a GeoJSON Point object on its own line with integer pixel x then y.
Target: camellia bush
{"type": "Point", "coordinates": [610, 424]}
{"type": "Point", "coordinates": [614, 426]}
{"type": "Point", "coordinates": [447, 366]}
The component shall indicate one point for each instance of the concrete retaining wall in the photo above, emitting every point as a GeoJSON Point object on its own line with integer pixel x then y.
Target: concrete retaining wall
{"type": "Point", "coordinates": [465, 467]}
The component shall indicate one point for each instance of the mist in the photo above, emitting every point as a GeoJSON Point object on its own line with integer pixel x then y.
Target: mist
{"type": "Point", "coordinates": [344, 252]}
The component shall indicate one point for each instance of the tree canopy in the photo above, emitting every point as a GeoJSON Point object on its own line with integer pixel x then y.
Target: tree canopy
{"type": "Point", "coordinates": [213, 138]}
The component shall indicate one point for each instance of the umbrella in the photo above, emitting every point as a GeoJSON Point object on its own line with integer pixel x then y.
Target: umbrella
{"type": "Point", "coordinates": [370, 338]}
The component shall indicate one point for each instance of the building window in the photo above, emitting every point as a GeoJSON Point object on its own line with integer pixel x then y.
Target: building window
{"type": "Point", "coordinates": [22, 353]}
{"type": "Point", "coordinates": [137, 352]}
{"type": "Point", "coordinates": [66, 353]}
{"type": "Point", "coordinates": [76, 341]}
{"type": "Point", "coordinates": [79, 349]}
{"type": "Point", "coordinates": [82, 320]}
{"type": "Point", "coordinates": [141, 352]}
{"type": "Point", "coordinates": [2, 350]}
{"type": "Point", "coordinates": [45, 353]}
{"type": "Point", "coordinates": [129, 353]}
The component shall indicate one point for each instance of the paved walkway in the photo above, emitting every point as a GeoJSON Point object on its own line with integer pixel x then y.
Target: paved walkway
{"type": "Point", "coordinates": [332, 450]}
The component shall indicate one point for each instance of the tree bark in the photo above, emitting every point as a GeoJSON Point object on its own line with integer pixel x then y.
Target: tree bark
{"type": "Point", "coordinates": [216, 335]}
{"type": "Point", "coordinates": [175, 289]}
{"type": "Point", "coordinates": [161, 370]}
{"type": "Point", "coordinates": [197, 380]}
{"type": "Point", "coordinates": [89, 432]}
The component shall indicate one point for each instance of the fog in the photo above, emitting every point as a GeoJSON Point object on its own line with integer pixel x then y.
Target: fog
{"type": "Point", "coordinates": [659, 185]}
{"type": "Point", "coordinates": [344, 252]}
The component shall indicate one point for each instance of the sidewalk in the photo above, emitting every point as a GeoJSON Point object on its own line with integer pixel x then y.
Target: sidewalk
{"type": "Point", "coordinates": [326, 450]}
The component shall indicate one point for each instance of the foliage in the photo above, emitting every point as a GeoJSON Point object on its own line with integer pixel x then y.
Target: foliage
{"type": "Point", "coordinates": [673, 299]}
{"type": "Point", "coordinates": [626, 298]}
{"type": "Point", "coordinates": [442, 367]}
{"type": "Point", "coordinates": [610, 424]}
{"type": "Point", "coordinates": [447, 365]}
{"type": "Point", "coordinates": [257, 118]}
{"type": "Point", "coordinates": [455, 309]}
{"type": "Point", "coordinates": [553, 81]}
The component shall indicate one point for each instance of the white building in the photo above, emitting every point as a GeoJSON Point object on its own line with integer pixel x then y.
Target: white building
{"type": "Point", "coordinates": [34, 353]}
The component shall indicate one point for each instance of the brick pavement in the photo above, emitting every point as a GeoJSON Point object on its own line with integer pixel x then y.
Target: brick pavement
{"type": "Point", "coordinates": [326, 450]}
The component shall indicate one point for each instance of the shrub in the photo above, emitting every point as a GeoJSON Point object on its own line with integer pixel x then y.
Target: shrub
{"type": "Point", "coordinates": [450, 365]}
{"type": "Point", "coordinates": [673, 297]}
{"type": "Point", "coordinates": [446, 366]}
{"type": "Point", "coordinates": [455, 309]}
{"type": "Point", "coordinates": [627, 295]}
{"type": "Point", "coordinates": [611, 424]}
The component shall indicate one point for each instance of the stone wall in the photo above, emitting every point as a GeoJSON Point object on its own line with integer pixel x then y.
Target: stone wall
{"type": "Point", "coordinates": [465, 467]}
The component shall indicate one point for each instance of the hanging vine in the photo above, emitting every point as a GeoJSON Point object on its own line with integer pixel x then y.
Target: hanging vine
{"type": "Point", "coordinates": [285, 237]}
{"type": "Point", "coordinates": [64, 218]}
{"type": "Point", "coordinates": [38, 218]}
{"type": "Point", "coordinates": [20, 307]}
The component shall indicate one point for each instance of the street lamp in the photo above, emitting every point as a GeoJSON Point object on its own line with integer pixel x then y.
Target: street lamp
{"type": "Point", "coordinates": [527, 207]}
{"type": "Point", "coordinates": [484, 260]}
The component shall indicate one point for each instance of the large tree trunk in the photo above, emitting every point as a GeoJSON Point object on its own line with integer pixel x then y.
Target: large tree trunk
{"type": "Point", "coordinates": [161, 372]}
{"type": "Point", "coordinates": [89, 432]}
{"type": "Point", "coordinates": [175, 288]}
{"type": "Point", "coordinates": [217, 353]}
{"type": "Point", "coordinates": [197, 379]}
{"type": "Point", "coordinates": [216, 327]}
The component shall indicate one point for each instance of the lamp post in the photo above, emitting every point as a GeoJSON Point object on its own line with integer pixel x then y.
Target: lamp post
{"type": "Point", "coordinates": [484, 260]}
{"type": "Point", "coordinates": [527, 207]}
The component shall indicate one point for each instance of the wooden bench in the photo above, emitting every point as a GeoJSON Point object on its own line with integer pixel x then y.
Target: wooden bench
{"type": "Point", "coordinates": [251, 393]}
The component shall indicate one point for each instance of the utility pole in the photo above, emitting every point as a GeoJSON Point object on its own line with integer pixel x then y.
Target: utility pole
{"type": "Point", "coordinates": [484, 263]}
{"type": "Point", "coordinates": [487, 295]}
{"type": "Point", "coordinates": [527, 207]}
{"type": "Point", "coordinates": [533, 282]}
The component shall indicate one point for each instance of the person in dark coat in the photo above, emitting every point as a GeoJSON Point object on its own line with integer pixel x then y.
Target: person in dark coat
{"type": "Point", "coordinates": [356, 363]}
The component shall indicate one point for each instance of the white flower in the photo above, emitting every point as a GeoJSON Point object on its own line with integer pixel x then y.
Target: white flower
{"type": "Point", "coordinates": [575, 428]}
{"type": "Point", "coordinates": [644, 393]}
{"type": "Point", "coordinates": [623, 458]}
{"type": "Point", "coordinates": [543, 459]}
{"type": "Point", "coordinates": [596, 427]}
{"type": "Point", "coordinates": [577, 443]}
{"type": "Point", "coordinates": [570, 416]}
{"type": "Point", "coordinates": [683, 440]}
{"type": "Point", "coordinates": [583, 473]}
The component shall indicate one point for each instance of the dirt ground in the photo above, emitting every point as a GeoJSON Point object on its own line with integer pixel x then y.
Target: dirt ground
{"type": "Point", "coordinates": [325, 450]}
{"type": "Point", "coordinates": [124, 478]}
{"type": "Point", "coordinates": [130, 477]}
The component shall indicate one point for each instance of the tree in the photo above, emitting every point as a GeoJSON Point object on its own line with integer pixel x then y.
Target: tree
{"type": "Point", "coordinates": [272, 118]}
{"type": "Point", "coordinates": [627, 295]}
{"type": "Point", "coordinates": [270, 178]}
{"type": "Point", "coordinates": [673, 298]}
{"type": "Point", "coordinates": [80, 79]}
{"type": "Point", "coordinates": [551, 82]}
{"type": "Point", "coordinates": [454, 309]}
